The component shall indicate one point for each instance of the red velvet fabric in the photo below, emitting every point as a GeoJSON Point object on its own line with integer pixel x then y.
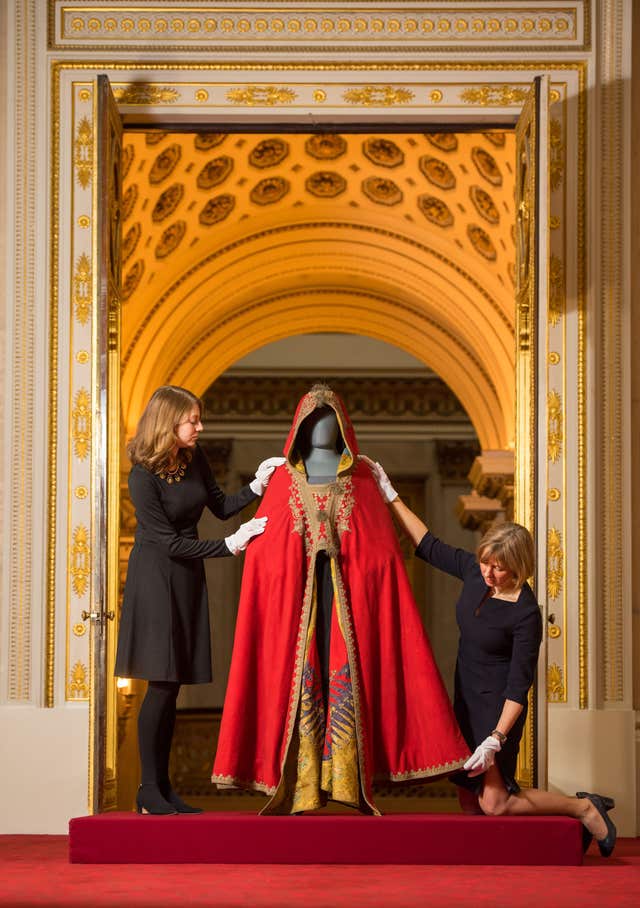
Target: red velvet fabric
{"type": "Point", "coordinates": [407, 729]}
{"type": "Point", "coordinates": [238, 838]}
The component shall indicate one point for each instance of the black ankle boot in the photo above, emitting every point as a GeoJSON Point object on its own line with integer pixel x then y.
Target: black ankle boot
{"type": "Point", "coordinates": [176, 801]}
{"type": "Point", "coordinates": [149, 800]}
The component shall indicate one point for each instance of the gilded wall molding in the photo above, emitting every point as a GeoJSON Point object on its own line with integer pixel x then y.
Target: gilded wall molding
{"type": "Point", "coordinates": [369, 26]}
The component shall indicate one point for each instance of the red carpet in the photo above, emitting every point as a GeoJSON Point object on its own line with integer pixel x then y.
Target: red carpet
{"type": "Point", "coordinates": [243, 838]}
{"type": "Point", "coordinates": [34, 870]}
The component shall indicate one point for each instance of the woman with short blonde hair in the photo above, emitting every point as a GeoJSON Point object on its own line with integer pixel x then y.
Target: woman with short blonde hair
{"type": "Point", "coordinates": [164, 633]}
{"type": "Point", "coordinates": [500, 634]}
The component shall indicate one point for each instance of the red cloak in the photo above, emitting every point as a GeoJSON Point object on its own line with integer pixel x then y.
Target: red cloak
{"type": "Point", "coordinates": [404, 725]}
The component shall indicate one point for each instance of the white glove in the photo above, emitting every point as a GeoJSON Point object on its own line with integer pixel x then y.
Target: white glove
{"type": "Point", "coordinates": [239, 540]}
{"type": "Point", "coordinates": [483, 756]}
{"type": "Point", "coordinates": [384, 483]}
{"type": "Point", "coordinates": [263, 474]}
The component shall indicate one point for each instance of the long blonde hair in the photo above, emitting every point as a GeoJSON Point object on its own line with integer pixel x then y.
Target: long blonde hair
{"type": "Point", "coordinates": [512, 546]}
{"type": "Point", "coordinates": [155, 436]}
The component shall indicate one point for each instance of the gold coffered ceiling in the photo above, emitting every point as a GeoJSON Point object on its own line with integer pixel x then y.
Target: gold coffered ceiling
{"type": "Point", "coordinates": [232, 241]}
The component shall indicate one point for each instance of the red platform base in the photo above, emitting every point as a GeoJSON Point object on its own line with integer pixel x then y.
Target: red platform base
{"type": "Point", "coordinates": [240, 838]}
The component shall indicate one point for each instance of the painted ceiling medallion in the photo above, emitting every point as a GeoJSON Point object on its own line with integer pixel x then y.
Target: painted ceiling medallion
{"type": "Point", "coordinates": [128, 154]}
{"type": "Point", "coordinates": [155, 137]}
{"type": "Point", "coordinates": [217, 209]}
{"type": "Point", "coordinates": [325, 184]}
{"type": "Point", "coordinates": [132, 279]}
{"type": "Point", "coordinates": [382, 191]}
{"type": "Point", "coordinates": [170, 239]}
{"type": "Point", "coordinates": [167, 202]}
{"type": "Point", "coordinates": [435, 210]}
{"type": "Point", "coordinates": [165, 164]}
{"type": "Point", "coordinates": [269, 152]}
{"type": "Point", "coordinates": [215, 172]}
{"type": "Point", "coordinates": [270, 190]}
{"type": "Point", "coordinates": [496, 138]}
{"type": "Point", "coordinates": [481, 242]}
{"type": "Point", "coordinates": [130, 241]}
{"type": "Point", "coordinates": [205, 141]}
{"type": "Point", "coordinates": [129, 200]}
{"type": "Point", "coordinates": [444, 141]}
{"type": "Point", "coordinates": [487, 166]}
{"type": "Point", "coordinates": [325, 147]}
{"type": "Point", "coordinates": [484, 204]}
{"type": "Point", "coordinates": [437, 172]}
{"type": "Point", "coordinates": [383, 152]}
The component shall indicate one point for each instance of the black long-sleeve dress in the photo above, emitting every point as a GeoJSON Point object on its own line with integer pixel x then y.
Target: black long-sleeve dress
{"type": "Point", "coordinates": [497, 655]}
{"type": "Point", "coordinates": [164, 628]}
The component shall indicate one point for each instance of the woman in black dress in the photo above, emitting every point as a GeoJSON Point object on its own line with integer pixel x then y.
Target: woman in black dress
{"type": "Point", "coordinates": [500, 634]}
{"type": "Point", "coordinates": [164, 628]}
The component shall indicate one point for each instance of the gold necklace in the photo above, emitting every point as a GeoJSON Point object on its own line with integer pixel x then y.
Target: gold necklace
{"type": "Point", "coordinates": [175, 474]}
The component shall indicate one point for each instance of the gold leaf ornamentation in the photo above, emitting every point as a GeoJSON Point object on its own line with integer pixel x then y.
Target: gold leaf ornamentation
{"type": "Point", "coordinates": [270, 190]}
{"type": "Point", "coordinates": [132, 279]}
{"type": "Point", "coordinates": [82, 289]}
{"type": "Point", "coordinates": [555, 563]}
{"type": "Point", "coordinates": [437, 172]}
{"type": "Point", "coordinates": [79, 561]}
{"type": "Point", "coordinates": [481, 242]}
{"type": "Point", "coordinates": [325, 184]}
{"type": "Point", "coordinates": [383, 152]}
{"type": "Point", "coordinates": [83, 152]}
{"type": "Point", "coordinates": [81, 423]}
{"type": "Point", "coordinates": [378, 96]}
{"type": "Point", "coordinates": [261, 96]}
{"type": "Point", "coordinates": [484, 204]}
{"type": "Point", "coordinates": [382, 191]}
{"type": "Point", "coordinates": [555, 436]}
{"type": "Point", "coordinates": [556, 156]}
{"type": "Point", "coordinates": [170, 239]}
{"type": "Point", "coordinates": [494, 95]}
{"type": "Point", "coordinates": [555, 684]}
{"type": "Point", "coordinates": [325, 147]}
{"type": "Point", "coordinates": [556, 290]}
{"type": "Point", "coordinates": [269, 152]}
{"type": "Point", "coordinates": [205, 141]}
{"type": "Point", "coordinates": [435, 210]}
{"type": "Point", "coordinates": [217, 209]}
{"type": "Point", "coordinates": [79, 682]}
{"type": "Point", "coordinates": [143, 93]}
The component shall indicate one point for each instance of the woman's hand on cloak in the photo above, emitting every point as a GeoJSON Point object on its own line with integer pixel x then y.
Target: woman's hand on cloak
{"type": "Point", "coordinates": [264, 473]}
{"type": "Point", "coordinates": [239, 540]}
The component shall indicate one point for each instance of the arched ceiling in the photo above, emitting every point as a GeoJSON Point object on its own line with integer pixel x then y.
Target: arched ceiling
{"type": "Point", "coordinates": [232, 241]}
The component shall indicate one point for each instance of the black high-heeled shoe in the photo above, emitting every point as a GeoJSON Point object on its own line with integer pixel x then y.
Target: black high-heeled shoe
{"type": "Point", "coordinates": [587, 837]}
{"type": "Point", "coordinates": [600, 803]}
{"type": "Point", "coordinates": [149, 800]}
{"type": "Point", "coordinates": [176, 801]}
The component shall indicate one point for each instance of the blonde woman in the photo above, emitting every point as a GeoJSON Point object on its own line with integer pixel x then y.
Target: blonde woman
{"type": "Point", "coordinates": [164, 628]}
{"type": "Point", "coordinates": [500, 634]}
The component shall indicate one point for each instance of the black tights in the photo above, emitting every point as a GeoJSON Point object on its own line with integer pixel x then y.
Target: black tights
{"type": "Point", "coordinates": [156, 721]}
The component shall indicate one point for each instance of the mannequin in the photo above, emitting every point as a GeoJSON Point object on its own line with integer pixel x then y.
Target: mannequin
{"type": "Point", "coordinates": [321, 445]}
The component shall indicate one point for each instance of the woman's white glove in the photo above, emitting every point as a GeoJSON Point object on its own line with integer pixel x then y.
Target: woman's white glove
{"type": "Point", "coordinates": [384, 483]}
{"type": "Point", "coordinates": [263, 474]}
{"type": "Point", "coordinates": [239, 540]}
{"type": "Point", "coordinates": [483, 756]}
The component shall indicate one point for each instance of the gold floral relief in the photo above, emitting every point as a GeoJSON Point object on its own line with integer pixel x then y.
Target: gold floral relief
{"type": "Point", "coordinates": [170, 239]}
{"type": "Point", "coordinates": [82, 289]}
{"type": "Point", "coordinates": [130, 241]}
{"type": "Point", "coordinates": [378, 96]}
{"type": "Point", "coordinates": [167, 202]}
{"type": "Point", "coordinates": [79, 560]}
{"type": "Point", "coordinates": [383, 152]}
{"type": "Point", "coordinates": [555, 684]}
{"type": "Point", "coordinates": [482, 242]}
{"type": "Point", "coordinates": [269, 153]}
{"type": "Point", "coordinates": [382, 190]}
{"type": "Point", "coordinates": [325, 146]}
{"type": "Point", "coordinates": [165, 164]}
{"type": "Point", "coordinates": [270, 190]}
{"type": "Point", "coordinates": [205, 141]}
{"type": "Point", "coordinates": [486, 165]}
{"type": "Point", "coordinates": [217, 209]}
{"type": "Point", "coordinates": [215, 172]}
{"type": "Point", "coordinates": [145, 94]}
{"type": "Point", "coordinates": [437, 172]}
{"type": "Point", "coordinates": [556, 154]}
{"type": "Point", "coordinates": [494, 95]}
{"type": "Point", "coordinates": [129, 201]}
{"type": "Point", "coordinates": [83, 152]}
{"type": "Point", "coordinates": [444, 141]}
{"type": "Point", "coordinates": [555, 563]}
{"type": "Point", "coordinates": [325, 184]}
{"type": "Point", "coordinates": [556, 290]}
{"type": "Point", "coordinates": [484, 204]}
{"type": "Point", "coordinates": [435, 210]}
{"type": "Point", "coordinates": [81, 423]}
{"type": "Point", "coordinates": [132, 279]}
{"type": "Point", "coordinates": [555, 437]}
{"type": "Point", "coordinates": [78, 685]}
{"type": "Point", "coordinates": [261, 96]}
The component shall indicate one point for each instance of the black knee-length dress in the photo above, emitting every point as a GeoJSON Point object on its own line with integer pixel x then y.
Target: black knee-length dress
{"type": "Point", "coordinates": [164, 628]}
{"type": "Point", "coordinates": [497, 656]}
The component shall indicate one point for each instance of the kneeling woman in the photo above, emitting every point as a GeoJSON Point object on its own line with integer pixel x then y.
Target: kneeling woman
{"type": "Point", "coordinates": [164, 629]}
{"type": "Point", "coordinates": [500, 634]}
